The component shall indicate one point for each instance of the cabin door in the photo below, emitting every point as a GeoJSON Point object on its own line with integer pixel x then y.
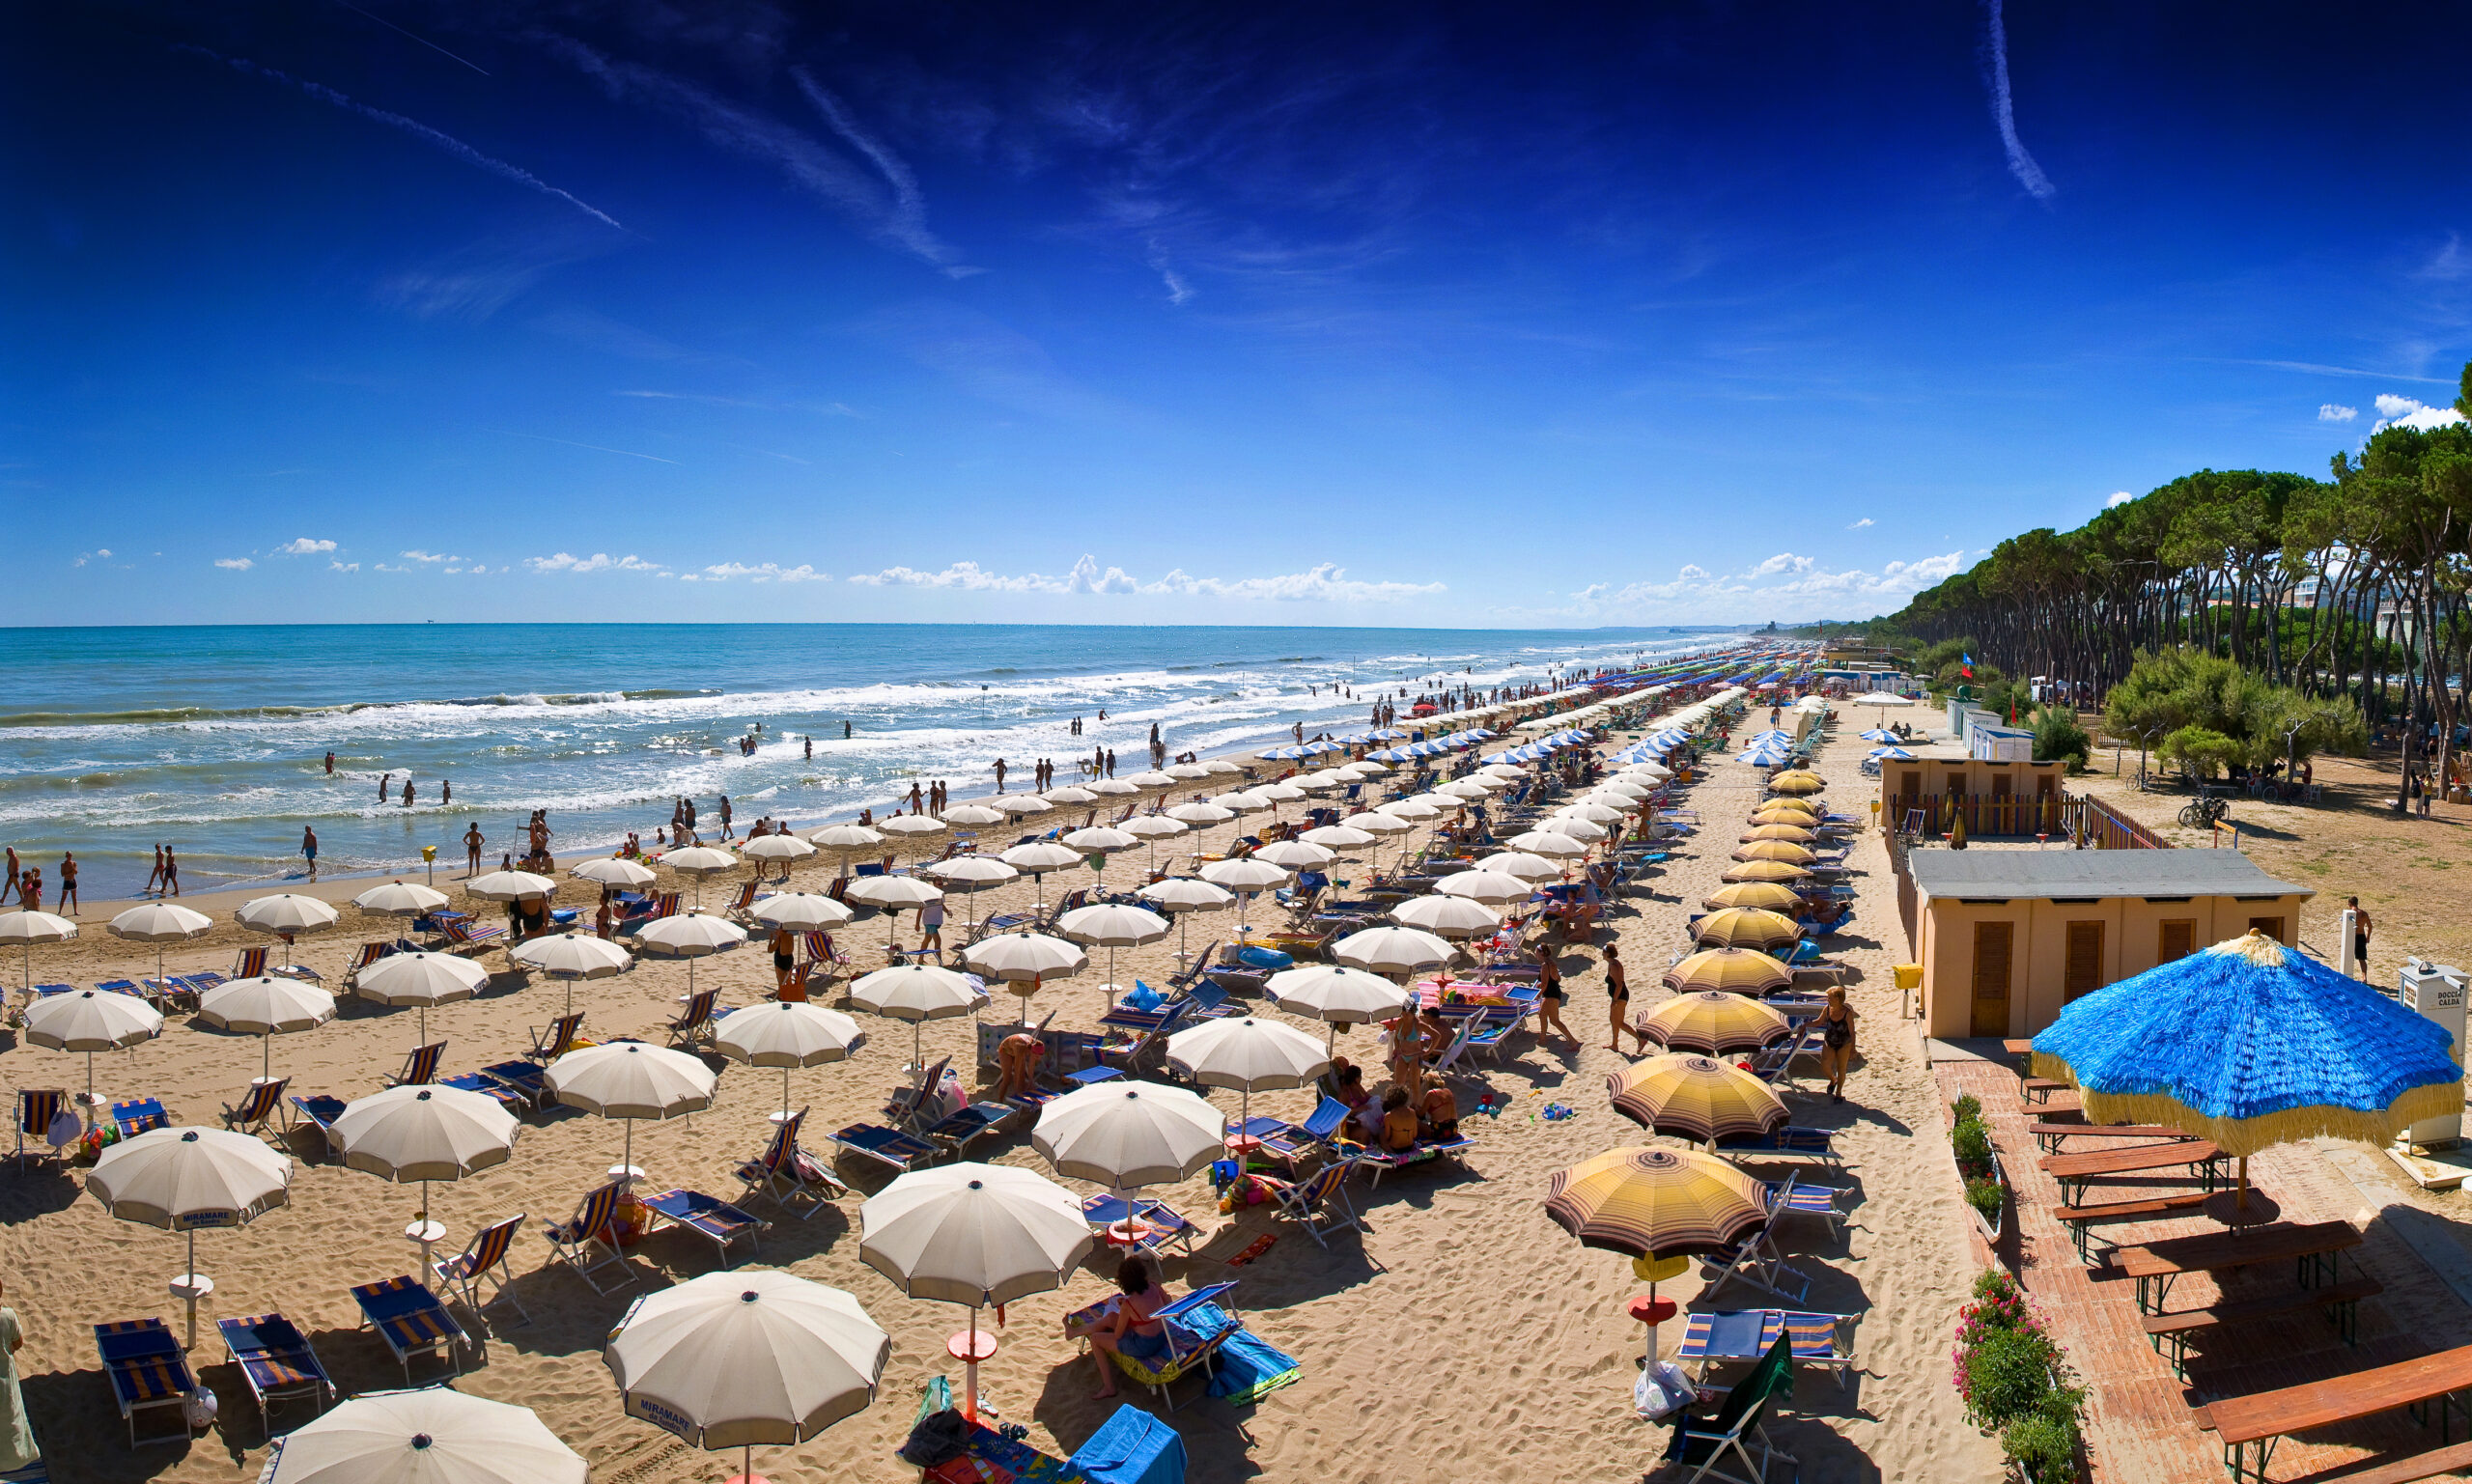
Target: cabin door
{"type": "Point", "coordinates": [1991, 954]}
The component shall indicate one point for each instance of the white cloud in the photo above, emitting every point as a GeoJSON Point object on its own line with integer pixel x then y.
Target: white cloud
{"type": "Point", "coordinates": [2332, 412]}
{"type": "Point", "coordinates": [1859, 524]}
{"type": "Point", "coordinates": [234, 563]}
{"type": "Point", "coordinates": [2408, 413]}
{"type": "Point", "coordinates": [426, 556]}
{"type": "Point", "coordinates": [765, 572]}
{"type": "Point", "coordinates": [1696, 593]}
{"type": "Point", "coordinates": [335, 566]}
{"type": "Point", "coordinates": [96, 555]}
{"type": "Point", "coordinates": [599, 561]}
{"type": "Point", "coordinates": [1328, 582]}
{"type": "Point", "coordinates": [306, 545]}
{"type": "Point", "coordinates": [2118, 498]}
{"type": "Point", "coordinates": [1783, 561]}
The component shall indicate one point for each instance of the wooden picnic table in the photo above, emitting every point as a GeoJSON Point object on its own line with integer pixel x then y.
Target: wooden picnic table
{"type": "Point", "coordinates": [2076, 1169]}
{"type": "Point", "coordinates": [2318, 1248]}
{"type": "Point", "coordinates": [2049, 1135]}
{"type": "Point", "coordinates": [2265, 1417]}
{"type": "Point", "coordinates": [2030, 1087]}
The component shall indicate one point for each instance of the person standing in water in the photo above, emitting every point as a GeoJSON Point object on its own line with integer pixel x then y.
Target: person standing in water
{"type": "Point", "coordinates": [69, 883]}
{"type": "Point", "coordinates": [309, 847]}
{"type": "Point", "coordinates": [384, 780]}
{"type": "Point", "coordinates": [472, 842]}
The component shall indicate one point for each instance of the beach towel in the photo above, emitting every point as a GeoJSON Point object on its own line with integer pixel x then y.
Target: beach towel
{"type": "Point", "coordinates": [1143, 996]}
{"type": "Point", "coordinates": [1246, 1367]}
{"type": "Point", "coordinates": [1132, 1448]}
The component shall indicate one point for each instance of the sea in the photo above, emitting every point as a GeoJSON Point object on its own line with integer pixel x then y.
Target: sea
{"type": "Point", "coordinates": [212, 740]}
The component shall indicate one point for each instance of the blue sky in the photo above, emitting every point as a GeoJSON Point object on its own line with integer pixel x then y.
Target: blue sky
{"type": "Point", "coordinates": [1361, 314]}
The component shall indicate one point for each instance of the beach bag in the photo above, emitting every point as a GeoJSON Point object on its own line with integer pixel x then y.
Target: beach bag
{"type": "Point", "coordinates": [1663, 1391]}
{"type": "Point", "coordinates": [64, 1128]}
{"type": "Point", "coordinates": [937, 1438]}
{"type": "Point", "coordinates": [1143, 998]}
{"type": "Point", "coordinates": [945, 1101]}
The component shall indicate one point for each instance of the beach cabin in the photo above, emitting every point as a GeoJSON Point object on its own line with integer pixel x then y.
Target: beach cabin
{"type": "Point", "coordinates": [2007, 796]}
{"type": "Point", "coordinates": [2008, 936]}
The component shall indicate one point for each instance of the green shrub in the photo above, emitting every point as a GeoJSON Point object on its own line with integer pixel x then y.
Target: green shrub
{"type": "Point", "coordinates": [2058, 736]}
{"type": "Point", "coordinates": [2008, 1376]}
{"type": "Point", "coordinates": [2044, 1445]}
{"type": "Point", "coordinates": [1973, 1144]}
{"type": "Point", "coordinates": [1967, 1107]}
{"type": "Point", "coordinates": [1986, 1196]}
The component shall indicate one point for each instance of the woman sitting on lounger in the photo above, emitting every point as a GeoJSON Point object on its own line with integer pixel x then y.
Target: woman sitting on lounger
{"type": "Point", "coordinates": [1398, 1122]}
{"type": "Point", "coordinates": [1439, 1111]}
{"type": "Point", "coordinates": [1125, 1326]}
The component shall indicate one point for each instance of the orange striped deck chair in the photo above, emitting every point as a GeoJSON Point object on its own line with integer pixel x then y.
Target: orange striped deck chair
{"type": "Point", "coordinates": [420, 1065]}
{"type": "Point", "coordinates": [251, 963]}
{"type": "Point", "coordinates": [485, 1258]}
{"type": "Point", "coordinates": [37, 1107]}
{"type": "Point", "coordinates": [594, 1228]}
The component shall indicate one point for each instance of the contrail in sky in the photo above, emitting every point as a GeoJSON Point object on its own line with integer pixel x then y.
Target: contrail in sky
{"type": "Point", "coordinates": [424, 40]}
{"type": "Point", "coordinates": [418, 130]}
{"type": "Point", "coordinates": [2020, 163]}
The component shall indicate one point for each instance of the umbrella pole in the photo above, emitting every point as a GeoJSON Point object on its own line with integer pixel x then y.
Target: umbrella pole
{"type": "Point", "coordinates": [918, 1028]}
{"type": "Point", "coordinates": [1111, 976]}
{"type": "Point", "coordinates": [189, 1284]}
{"type": "Point", "coordinates": [90, 1103]}
{"type": "Point", "coordinates": [786, 1092]}
{"type": "Point", "coordinates": [265, 1067]}
{"type": "Point", "coordinates": [969, 1371]}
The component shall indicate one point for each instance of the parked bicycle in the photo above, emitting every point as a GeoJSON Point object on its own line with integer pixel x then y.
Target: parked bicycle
{"type": "Point", "coordinates": [2206, 812]}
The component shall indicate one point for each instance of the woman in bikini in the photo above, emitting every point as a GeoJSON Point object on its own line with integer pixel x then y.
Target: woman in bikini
{"type": "Point", "coordinates": [1125, 1327]}
{"type": "Point", "coordinates": [1836, 1042]}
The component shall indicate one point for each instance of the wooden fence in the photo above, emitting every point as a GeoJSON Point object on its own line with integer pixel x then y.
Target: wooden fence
{"type": "Point", "coordinates": [2073, 817]}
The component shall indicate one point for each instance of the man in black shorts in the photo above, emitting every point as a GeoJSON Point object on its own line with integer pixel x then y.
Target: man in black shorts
{"type": "Point", "coordinates": [2360, 936]}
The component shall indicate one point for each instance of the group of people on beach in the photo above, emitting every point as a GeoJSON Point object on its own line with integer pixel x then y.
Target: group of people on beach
{"type": "Point", "coordinates": [25, 885]}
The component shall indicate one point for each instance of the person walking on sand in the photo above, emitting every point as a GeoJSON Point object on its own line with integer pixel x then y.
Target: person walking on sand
{"type": "Point", "coordinates": [2361, 926]}
{"type": "Point", "coordinates": [309, 847]}
{"type": "Point", "coordinates": [1617, 991]}
{"type": "Point", "coordinates": [931, 928]}
{"type": "Point", "coordinates": [171, 873]}
{"type": "Point", "coordinates": [473, 839]}
{"type": "Point", "coordinates": [9, 888]}
{"type": "Point", "coordinates": [725, 816]}
{"type": "Point", "coordinates": [1549, 993]}
{"type": "Point", "coordinates": [1836, 1042]}
{"type": "Point", "coordinates": [17, 1448]}
{"type": "Point", "coordinates": [69, 883]}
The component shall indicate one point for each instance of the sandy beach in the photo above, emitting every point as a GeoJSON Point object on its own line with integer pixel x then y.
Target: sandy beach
{"type": "Point", "coordinates": [1463, 1332]}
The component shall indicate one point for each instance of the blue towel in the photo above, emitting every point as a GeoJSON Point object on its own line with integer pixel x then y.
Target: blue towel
{"type": "Point", "coordinates": [1133, 1447]}
{"type": "Point", "coordinates": [1143, 996]}
{"type": "Point", "coordinates": [1246, 1368]}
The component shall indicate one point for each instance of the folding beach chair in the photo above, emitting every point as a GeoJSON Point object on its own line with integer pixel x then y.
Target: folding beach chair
{"type": "Point", "coordinates": [527, 1081]}
{"type": "Point", "coordinates": [420, 1065]}
{"type": "Point", "coordinates": [785, 1174]}
{"type": "Point", "coordinates": [463, 937]}
{"type": "Point", "coordinates": [1195, 1326]}
{"type": "Point", "coordinates": [1318, 1200]}
{"type": "Point", "coordinates": [557, 1039]}
{"type": "Point", "coordinates": [1381, 1161]}
{"type": "Point", "coordinates": [260, 1108]}
{"type": "Point", "coordinates": [695, 1018]}
{"type": "Point", "coordinates": [1704, 1448]}
{"type": "Point", "coordinates": [412, 1320]}
{"type": "Point", "coordinates": [368, 954]}
{"type": "Point", "coordinates": [321, 1110]}
{"type": "Point", "coordinates": [484, 1258]}
{"type": "Point", "coordinates": [277, 1362]}
{"type": "Point", "coordinates": [593, 1229]}
{"type": "Point", "coordinates": [904, 1152]}
{"type": "Point", "coordinates": [708, 1217]}
{"type": "Point", "coordinates": [1786, 1142]}
{"type": "Point", "coordinates": [741, 906]}
{"type": "Point", "coordinates": [1140, 1223]}
{"type": "Point", "coordinates": [38, 1108]}
{"type": "Point", "coordinates": [1823, 1341]}
{"type": "Point", "coordinates": [251, 964]}
{"type": "Point", "coordinates": [1754, 1259]}
{"type": "Point", "coordinates": [1790, 1196]}
{"type": "Point", "coordinates": [516, 1100]}
{"type": "Point", "coordinates": [147, 1373]}
{"type": "Point", "coordinates": [1294, 1142]}
{"type": "Point", "coordinates": [134, 1116]}
{"type": "Point", "coordinates": [966, 1126]}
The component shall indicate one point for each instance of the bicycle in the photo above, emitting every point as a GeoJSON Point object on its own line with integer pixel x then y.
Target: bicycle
{"type": "Point", "coordinates": [2206, 813]}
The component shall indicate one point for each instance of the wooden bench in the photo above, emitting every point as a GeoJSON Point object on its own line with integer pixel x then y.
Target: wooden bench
{"type": "Point", "coordinates": [2049, 1135]}
{"type": "Point", "coordinates": [2341, 1301]}
{"type": "Point", "coordinates": [2077, 1218]}
{"type": "Point", "coordinates": [2264, 1418]}
{"type": "Point", "coordinates": [2031, 1089]}
{"type": "Point", "coordinates": [2076, 1169]}
{"type": "Point", "coordinates": [2395, 1471]}
{"type": "Point", "coordinates": [2317, 1247]}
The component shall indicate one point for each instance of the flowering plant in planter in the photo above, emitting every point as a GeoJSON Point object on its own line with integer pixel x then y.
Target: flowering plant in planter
{"type": "Point", "coordinates": [2016, 1380]}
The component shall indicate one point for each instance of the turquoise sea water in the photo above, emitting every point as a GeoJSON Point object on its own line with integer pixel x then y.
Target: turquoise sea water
{"type": "Point", "coordinates": [212, 739]}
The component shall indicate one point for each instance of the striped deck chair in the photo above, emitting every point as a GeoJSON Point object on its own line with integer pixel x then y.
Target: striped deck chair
{"type": "Point", "coordinates": [277, 1362]}
{"type": "Point", "coordinates": [1195, 1326]}
{"type": "Point", "coordinates": [412, 1320]}
{"type": "Point", "coordinates": [462, 936]}
{"type": "Point", "coordinates": [594, 1228]}
{"type": "Point", "coordinates": [1317, 1200]}
{"type": "Point", "coordinates": [708, 1217]}
{"type": "Point", "coordinates": [420, 1065]}
{"type": "Point", "coordinates": [261, 1105]}
{"type": "Point", "coordinates": [1754, 1259]}
{"type": "Point", "coordinates": [743, 905]}
{"type": "Point", "coordinates": [558, 1038]}
{"type": "Point", "coordinates": [133, 1116]}
{"type": "Point", "coordinates": [1738, 1426]}
{"type": "Point", "coordinates": [526, 1080]}
{"type": "Point", "coordinates": [784, 1173]}
{"type": "Point", "coordinates": [517, 1101]}
{"type": "Point", "coordinates": [1789, 1195]}
{"type": "Point", "coordinates": [251, 964]}
{"type": "Point", "coordinates": [1823, 1341]}
{"type": "Point", "coordinates": [822, 951]}
{"type": "Point", "coordinates": [370, 953]}
{"type": "Point", "coordinates": [904, 1152]}
{"type": "Point", "coordinates": [37, 1108]}
{"type": "Point", "coordinates": [1141, 1223]}
{"type": "Point", "coordinates": [148, 1374]}
{"type": "Point", "coordinates": [321, 1110]}
{"type": "Point", "coordinates": [694, 1022]}
{"type": "Point", "coordinates": [486, 1258]}
{"type": "Point", "coordinates": [1295, 1142]}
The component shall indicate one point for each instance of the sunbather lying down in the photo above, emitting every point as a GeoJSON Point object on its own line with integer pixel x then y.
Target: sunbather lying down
{"type": "Point", "coordinates": [1124, 1324]}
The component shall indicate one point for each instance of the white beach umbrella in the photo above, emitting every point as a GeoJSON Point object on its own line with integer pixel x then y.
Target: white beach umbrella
{"type": "Point", "coordinates": [1322, 782]}
{"type": "Point", "coordinates": [845, 837]}
{"type": "Point", "coordinates": [1113, 788]}
{"type": "Point", "coordinates": [1508, 773]}
{"type": "Point", "coordinates": [400, 899]}
{"type": "Point", "coordinates": [1039, 858]}
{"type": "Point", "coordinates": [1155, 826]}
{"type": "Point", "coordinates": [1025, 959]}
{"type": "Point", "coordinates": [266, 1006]}
{"type": "Point", "coordinates": [422, 979]}
{"type": "Point", "coordinates": [1181, 896]}
{"type": "Point", "coordinates": [780, 849]}
{"type": "Point", "coordinates": [90, 1020]}
{"type": "Point", "coordinates": [1523, 864]}
{"type": "Point", "coordinates": [1017, 804]}
{"type": "Point", "coordinates": [1242, 801]}
{"type": "Point", "coordinates": [1416, 809]}
{"type": "Point", "coordinates": [1185, 772]}
{"type": "Point", "coordinates": [973, 1234]}
{"type": "Point", "coordinates": [691, 935]}
{"type": "Point", "coordinates": [1339, 994]}
{"type": "Point", "coordinates": [1069, 793]}
{"type": "Point", "coordinates": [1571, 826]}
{"type": "Point", "coordinates": [1113, 925]}
{"type": "Point", "coordinates": [1249, 1054]}
{"type": "Point", "coordinates": [734, 1359]}
{"type": "Point", "coordinates": [917, 993]}
{"type": "Point", "coordinates": [1449, 917]}
{"type": "Point", "coordinates": [425, 1132]}
{"type": "Point", "coordinates": [1548, 843]}
{"type": "Point", "coordinates": [890, 894]}
{"type": "Point", "coordinates": [1280, 791]}
{"type": "Point", "coordinates": [1392, 950]}
{"type": "Point", "coordinates": [1362, 768]}
{"type": "Point", "coordinates": [802, 911]}
{"type": "Point", "coordinates": [181, 1179]}
{"type": "Point", "coordinates": [1440, 804]}
{"type": "Point", "coordinates": [1100, 840]}
{"type": "Point", "coordinates": [1154, 779]}
{"type": "Point", "coordinates": [433, 1436]}
{"type": "Point", "coordinates": [1338, 837]}
{"type": "Point", "coordinates": [1199, 813]}
{"type": "Point", "coordinates": [700, 861]}
{"type": "Point", "coordinates": [1592, 811]}
{"type": "Point", "coordinates": [509, 886]}
{"type": "Point", "coordinates": [787, 1034]}
{"type": "Point", "coordinates": [287, 912]}
{"type": "Point", "coordinates": [1245, 877]}
{"type": "Point", "coordinates": [971, 875]}
{"type": "Point", "coordinates": [1487, 782]}
{"type": "Point", "coordinates": [568, 957]}
{"type": "Point", "coordinates": [920, 824]}
{"type": "Point", "coordinates": [1222, 766]}
{"type": "Point", "coordinates": [1296, 855]}
{"type": "Point", "coordinates": [1628, 788]}
{"type": "Point", "coordinates": [973, 816]}
{"type": "Point", "coordinates": [611, 871]}
{"type": "Point", "coordinates": [158, 923]}
{"type": "Point", "coordinates": [632, 1080]}
{"type": "Point", "coordinates": [1122, 1134]}
{"type": "Point", "coordinates": [1376, 821]}
{"type": "Point", "coordinates": [1465, 788]}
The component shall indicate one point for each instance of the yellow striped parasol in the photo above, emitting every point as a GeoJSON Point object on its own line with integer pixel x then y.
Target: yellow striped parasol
{"type": "Point", "coordinates": [1739, 970]}
{"type": "Point", "coordinates": [1797, 783]}
{"type": "Point", "coordinates": [1663, 1201]}
{"type": "Point", "coordinates": [1769, 895]}
{"type": "Point", "coordinates": [1786, 851]}
{"type": "Point", "coordinates": [1790, 810]}
{"type": "Point", "coordinates": [1698, 1098]}
{"type": "Point", "coordinates": [1747, 927]}
{"type": "Point", "coordinates": [1794, 835]}
{"type": "Point", "coordinates": [1767, 871]}
{"type": "Point", "coordinates": [1714, 1021]}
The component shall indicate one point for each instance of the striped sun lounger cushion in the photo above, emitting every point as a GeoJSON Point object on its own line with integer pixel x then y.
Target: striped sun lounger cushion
{"type": "Point", "coordinates": [1746, 1334]}
{"type": "Point", "coordinates": [273, 1350]}
{"type": "Point", "coordinates": [145, 1361]}
{"type": "Point", "coordinates": [407, 1313]}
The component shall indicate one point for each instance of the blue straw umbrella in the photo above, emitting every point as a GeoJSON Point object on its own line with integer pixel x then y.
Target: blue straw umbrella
{"type": "Point", "coordinates": [2249, 1043]}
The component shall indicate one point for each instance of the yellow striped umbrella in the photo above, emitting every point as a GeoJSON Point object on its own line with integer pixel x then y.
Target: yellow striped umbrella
{"type": "Point", "coordinates": [1739, 970]}
{"type": "Point", "coordinates": [1775, 850]}
{"type": "Point", "coordinates": [1714, 1021]}
{"type": "Point", "coordinates": [1803, 809]}
{"type": "Point", "coordinates": [1793, 833]}
{"type": "Point", "coordinates": [1670, 1202]}
{"type": "Point", "coordinates": [1765, 894]}
{"type": "Point", "coordinates": [1697, 1097]}
{"type": "Point", "coordinates": [1767, 871]}
{"type": "Point", "coordinates": [1747, 927]}
{"type": "Point", "coordinates": [1797, 783]}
